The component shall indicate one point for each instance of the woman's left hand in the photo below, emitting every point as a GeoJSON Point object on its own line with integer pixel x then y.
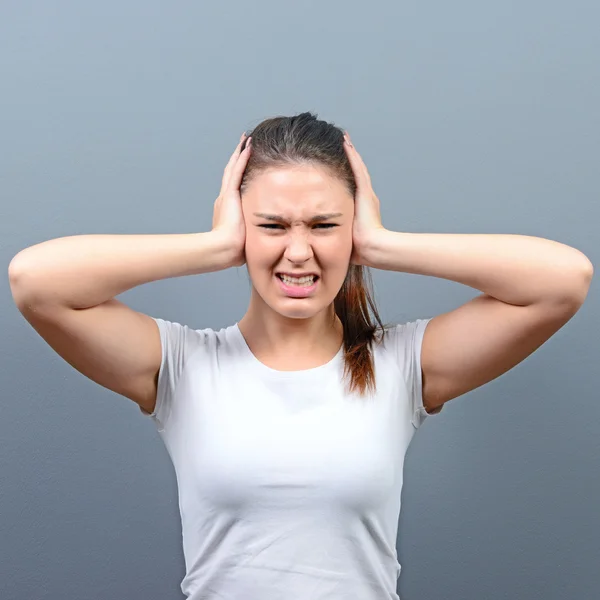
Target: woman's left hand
{"type": "Point", "coordinates": [367, 217]}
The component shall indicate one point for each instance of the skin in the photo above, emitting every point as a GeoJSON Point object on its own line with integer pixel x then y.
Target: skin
{"type": "Point", "coordinates": [295, 333]}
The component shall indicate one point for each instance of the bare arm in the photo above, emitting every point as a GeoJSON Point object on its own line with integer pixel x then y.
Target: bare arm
{"type": "Point", "coordinates": [87, 270]}
{"type": "Point", "coordinates": [64, 288]}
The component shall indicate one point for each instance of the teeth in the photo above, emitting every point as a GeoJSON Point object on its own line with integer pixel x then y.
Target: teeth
{"type": "Point", "coordinates": [298, 280]}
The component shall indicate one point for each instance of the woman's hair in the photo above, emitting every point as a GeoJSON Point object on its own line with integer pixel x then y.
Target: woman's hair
{"type": "Point", "coordinates": [303, 139]}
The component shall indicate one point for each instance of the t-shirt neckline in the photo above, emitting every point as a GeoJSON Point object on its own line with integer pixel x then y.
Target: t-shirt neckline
{"type": "Point", "coordinates": [264, 370]}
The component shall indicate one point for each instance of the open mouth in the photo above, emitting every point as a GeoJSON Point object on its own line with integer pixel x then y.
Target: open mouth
{"type": "Point", "coordinates": [299, 282]}
{"type": "Point", "coordinates": [304, 287]}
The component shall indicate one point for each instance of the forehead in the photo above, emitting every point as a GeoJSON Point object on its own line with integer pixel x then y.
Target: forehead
{"type": "Point", "coordinates": [297, 191]}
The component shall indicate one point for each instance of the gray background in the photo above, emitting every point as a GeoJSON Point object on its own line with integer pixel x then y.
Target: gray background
{"type": "Point", "coordinates": [472, 117]}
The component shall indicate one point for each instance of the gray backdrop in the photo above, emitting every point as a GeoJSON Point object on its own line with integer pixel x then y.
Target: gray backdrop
{"type": "Point", "coordinates": [472, 117]}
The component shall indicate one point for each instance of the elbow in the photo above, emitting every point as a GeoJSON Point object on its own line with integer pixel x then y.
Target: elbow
{"type": "Point", "coordinates": [19, 279]}
{"type": "Point", "coordinates": [577, 292]}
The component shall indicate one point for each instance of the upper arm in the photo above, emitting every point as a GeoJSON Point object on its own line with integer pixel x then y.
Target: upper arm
{"type": "Point", "coordinates": [111, 344]}
{"type": "Point", "coordinates": [465, 348]}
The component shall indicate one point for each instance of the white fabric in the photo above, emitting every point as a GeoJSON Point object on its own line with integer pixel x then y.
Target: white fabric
{"type": "Point", "coordinates": [288, 489]}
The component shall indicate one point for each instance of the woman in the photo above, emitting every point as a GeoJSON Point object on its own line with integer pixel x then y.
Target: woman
{"type": "Point", "coordinates": [288, 429]}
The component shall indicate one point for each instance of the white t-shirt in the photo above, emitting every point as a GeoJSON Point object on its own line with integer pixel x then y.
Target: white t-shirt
{"type": "Point", "coordinates": [288, 488]}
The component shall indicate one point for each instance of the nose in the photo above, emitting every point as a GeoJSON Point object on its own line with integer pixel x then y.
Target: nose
{"type": "Point", "coordinates": [298, 249]}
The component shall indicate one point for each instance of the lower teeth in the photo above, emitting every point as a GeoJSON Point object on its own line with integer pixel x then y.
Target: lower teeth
{"type": "Point", "coordinates": [298, 284]}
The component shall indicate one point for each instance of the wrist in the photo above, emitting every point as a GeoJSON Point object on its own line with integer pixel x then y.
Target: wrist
{"type": "Point", "coordinates": [226, 250]}
{"type": "Point", "coordinates": [376, 247]}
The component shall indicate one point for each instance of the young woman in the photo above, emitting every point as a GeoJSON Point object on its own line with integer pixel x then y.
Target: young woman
{"type": "Point", "coordinates": [288, 430]}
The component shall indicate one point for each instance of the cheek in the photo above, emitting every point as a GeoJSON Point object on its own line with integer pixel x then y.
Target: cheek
{"type": "Point", "coordinates": [261, 254]}
{"type": "Point", "coordinates": [342, 246]}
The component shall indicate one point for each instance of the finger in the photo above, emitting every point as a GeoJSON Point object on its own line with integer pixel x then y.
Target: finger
{"type": "Point", "coordinates": [233, 158]}
{"type": "Point", "coordinates": [359, 159]}
{"type": "Point", "coordinates": [359, 168]}
{"type": "Point", "coordinates": [232, 161]}
{"type": "Point", "coordinates": [238, 169]}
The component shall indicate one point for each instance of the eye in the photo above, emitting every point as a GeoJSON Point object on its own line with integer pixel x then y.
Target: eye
{"type": "Point", "coordinates": [324, 225]}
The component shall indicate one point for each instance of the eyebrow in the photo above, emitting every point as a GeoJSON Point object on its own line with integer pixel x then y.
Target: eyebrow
{"type": "Point", "coordinates": [312, 220]}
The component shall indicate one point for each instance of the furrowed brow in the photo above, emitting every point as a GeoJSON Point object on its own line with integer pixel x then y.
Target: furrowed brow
{"type": "Point", "coordinates": [314, 219]}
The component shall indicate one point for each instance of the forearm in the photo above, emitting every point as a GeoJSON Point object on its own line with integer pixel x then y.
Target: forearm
{"type": "Point", "coordinates": [86, 270]}
{"type": "Point", "coordinates": [516, 269]}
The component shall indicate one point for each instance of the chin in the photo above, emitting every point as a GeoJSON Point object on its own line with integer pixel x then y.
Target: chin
{"type": "Point", "coordinates": [297, 312]}
{"type": "Point", "coordinates": [295, 308]}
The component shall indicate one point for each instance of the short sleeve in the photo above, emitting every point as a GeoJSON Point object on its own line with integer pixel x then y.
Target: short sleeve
{"type": "Point", "coordinates": [176, 344]}
{"type": "Point", "coordinates": [408, 342]}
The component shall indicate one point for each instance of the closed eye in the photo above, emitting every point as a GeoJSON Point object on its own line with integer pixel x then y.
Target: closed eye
{"type": "Point", "coordinates": [272, 226]}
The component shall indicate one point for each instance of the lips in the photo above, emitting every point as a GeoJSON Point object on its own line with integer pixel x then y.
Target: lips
{"type": "Point", "coordinates": [297, 291]}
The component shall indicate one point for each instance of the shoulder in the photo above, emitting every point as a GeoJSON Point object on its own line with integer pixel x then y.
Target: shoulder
{"type": "Point", "coordinates": [399, 347]}
{"type": "Point", "coordinates": [179, 336]}
{"type": "Point", "coordinates": [402, 337]}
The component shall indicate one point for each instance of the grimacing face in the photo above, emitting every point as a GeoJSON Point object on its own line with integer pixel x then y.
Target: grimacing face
{"type": "Point", "coordinates": [291, 242]}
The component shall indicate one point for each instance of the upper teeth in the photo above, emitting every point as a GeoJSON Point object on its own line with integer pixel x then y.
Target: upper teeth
{"type": "Point", "coordinates": [307, 279]}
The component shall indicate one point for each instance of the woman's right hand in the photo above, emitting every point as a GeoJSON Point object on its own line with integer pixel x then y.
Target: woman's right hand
{"type": "Point", "coordinates": [228, 218]}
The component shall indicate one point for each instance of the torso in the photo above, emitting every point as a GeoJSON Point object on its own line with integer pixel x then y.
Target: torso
{"type": "Point", "coordinates": [294, 364]}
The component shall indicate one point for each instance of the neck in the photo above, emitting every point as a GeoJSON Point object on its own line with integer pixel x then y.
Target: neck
{"type": "Point", "coordinates": [272, 333]}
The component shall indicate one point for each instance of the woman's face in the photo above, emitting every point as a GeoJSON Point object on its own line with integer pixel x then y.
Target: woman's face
{"type": "Point", "coordinates": [284, 235]}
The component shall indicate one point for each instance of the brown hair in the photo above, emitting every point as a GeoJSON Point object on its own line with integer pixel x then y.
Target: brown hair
{"type": "Point", "coordinates": [301, 139]}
